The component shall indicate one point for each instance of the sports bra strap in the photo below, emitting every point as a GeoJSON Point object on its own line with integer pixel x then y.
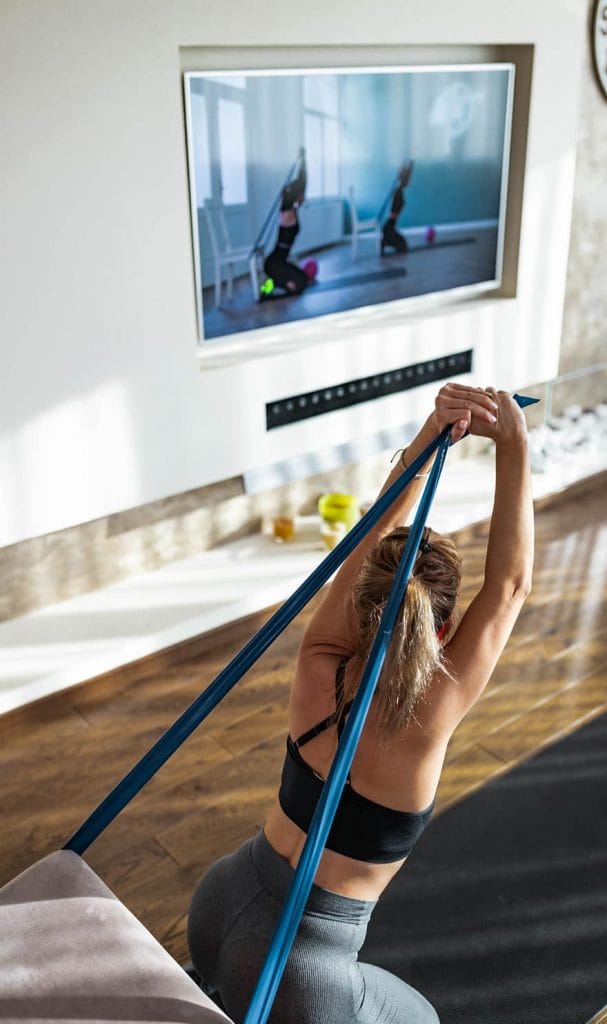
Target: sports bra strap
{"type": "Point", "coordinates": [335, 716]}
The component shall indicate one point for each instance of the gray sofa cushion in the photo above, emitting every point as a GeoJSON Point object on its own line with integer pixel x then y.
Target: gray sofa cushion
{"type": "Point", "coordinates": [71, 951]}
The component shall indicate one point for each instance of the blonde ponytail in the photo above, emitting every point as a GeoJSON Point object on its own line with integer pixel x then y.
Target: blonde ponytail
{"type": "Point", "coordinates": [415, 652]}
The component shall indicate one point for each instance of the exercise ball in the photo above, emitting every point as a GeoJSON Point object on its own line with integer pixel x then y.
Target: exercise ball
{"type": "Point", "coordinates": [310, 269]}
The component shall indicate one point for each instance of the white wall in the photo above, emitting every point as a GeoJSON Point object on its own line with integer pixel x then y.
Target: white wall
{"type": "Point", "coordinates": [104, 405]}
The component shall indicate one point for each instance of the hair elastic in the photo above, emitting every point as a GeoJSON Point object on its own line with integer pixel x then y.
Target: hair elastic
{"type": "Point", "coordinates": [402, 452]}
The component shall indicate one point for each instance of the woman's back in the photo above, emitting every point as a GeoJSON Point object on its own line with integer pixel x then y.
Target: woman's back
{"type": "Point", "coordinates": [393, 771]}
{"type": "Point", "coordinates": [432, 674]}
{"type": "Point", "coordinates": [399, 773]}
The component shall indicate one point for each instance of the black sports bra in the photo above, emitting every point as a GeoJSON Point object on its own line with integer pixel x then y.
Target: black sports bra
{"type": "Point", "coordinates": [286, 236]}
{"type": "Point", "coordinates": [362, 829]}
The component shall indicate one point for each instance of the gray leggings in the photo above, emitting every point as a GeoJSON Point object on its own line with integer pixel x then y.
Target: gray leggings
{"type": "Point", "coordinates": [232, 918]}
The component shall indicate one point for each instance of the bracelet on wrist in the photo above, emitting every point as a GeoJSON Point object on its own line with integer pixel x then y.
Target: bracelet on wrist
{"type": "Point", "coordinates": [402, 452]}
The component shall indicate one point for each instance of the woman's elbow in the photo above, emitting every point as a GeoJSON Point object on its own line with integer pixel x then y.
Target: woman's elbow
{"type": "Point", "coordinates": [520, 588]}
{"type": "Point", "coordinates": [510, 590]}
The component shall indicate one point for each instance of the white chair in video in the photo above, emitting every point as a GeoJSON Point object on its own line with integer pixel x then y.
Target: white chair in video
{"type": "Point", "coordinates": [224, 255]}
{"type": "Point", "coordinates": [369, 228]}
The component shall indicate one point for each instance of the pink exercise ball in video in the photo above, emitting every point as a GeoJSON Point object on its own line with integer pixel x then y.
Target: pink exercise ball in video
{"type": "Point", "coordinates": [310, 269]}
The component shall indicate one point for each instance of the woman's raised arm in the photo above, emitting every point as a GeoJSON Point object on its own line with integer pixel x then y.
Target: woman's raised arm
{"type": "Point", "coordinates": [331, 626]}
{"type": "Point", "coordinates": [472, 653]}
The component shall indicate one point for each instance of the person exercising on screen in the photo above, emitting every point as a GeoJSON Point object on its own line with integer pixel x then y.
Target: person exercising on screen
{"type": "Point", "coordinates": [277, 265]}
{"type": "Point", "coordinates": [390, 235]}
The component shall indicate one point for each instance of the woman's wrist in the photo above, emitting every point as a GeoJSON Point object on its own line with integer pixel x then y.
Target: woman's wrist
{"type": "Point", "coordinates": [405, 464]}
{"type": "Point", "coordinates": [406, 456]}
{"type": "Point", "coordinates": [518, 441]}
{"type": "Point", "coordinates": [432, 425]}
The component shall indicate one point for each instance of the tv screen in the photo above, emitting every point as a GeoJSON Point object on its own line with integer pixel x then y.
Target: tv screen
{"type": "Point", "coordinates": [315, 191]}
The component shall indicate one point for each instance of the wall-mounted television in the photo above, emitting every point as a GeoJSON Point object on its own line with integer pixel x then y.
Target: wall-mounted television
{"type": "Point", "coordinates": [318, 191]}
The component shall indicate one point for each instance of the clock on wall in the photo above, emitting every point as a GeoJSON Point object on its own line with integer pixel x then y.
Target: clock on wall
{"type": "Point", "coordinates": [599, 24]}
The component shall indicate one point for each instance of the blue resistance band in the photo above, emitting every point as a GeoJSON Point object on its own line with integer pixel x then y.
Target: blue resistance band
{"type": "Point", "coordinates": [171, 740]}
{"type": "Point", "coordinates": [322, 820]}
{"type": "Point", "coordinates": [288, 923]}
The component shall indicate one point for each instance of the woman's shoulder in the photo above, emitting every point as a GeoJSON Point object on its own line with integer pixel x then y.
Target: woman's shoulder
{"type": "Point", "coordinates": [317, 644]}
{"type": "Point", "coordinates": [313, 685]}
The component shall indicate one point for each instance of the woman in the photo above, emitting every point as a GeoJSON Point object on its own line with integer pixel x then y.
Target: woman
{"type": "Point", "coordinates": [390, 234]}
{"type": "Point", "coordinates": [435, 671]}
{"type": "Point", "coordinates": [285, 274]}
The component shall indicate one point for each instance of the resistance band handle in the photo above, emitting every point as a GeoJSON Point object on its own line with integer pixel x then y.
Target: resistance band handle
{"type": "Point", "coordinates": [524, 400]}
{"type": "Point", "coordinates": [177, 733]}
{"type": "Point", "coordinates": [301, 883]}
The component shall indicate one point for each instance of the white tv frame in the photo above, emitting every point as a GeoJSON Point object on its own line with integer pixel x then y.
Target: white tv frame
{"type": "Point", "coordinates": [250, 343]}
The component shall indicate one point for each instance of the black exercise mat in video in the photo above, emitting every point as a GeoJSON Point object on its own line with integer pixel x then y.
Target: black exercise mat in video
{"type": "Point", "coordinates": [500, 916]}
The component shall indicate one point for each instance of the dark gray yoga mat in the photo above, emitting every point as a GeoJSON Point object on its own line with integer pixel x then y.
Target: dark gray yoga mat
{"type": "Point", "coordinates": [500, 916]}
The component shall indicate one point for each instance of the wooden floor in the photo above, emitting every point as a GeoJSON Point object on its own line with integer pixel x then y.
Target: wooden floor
{"type": "Point", "coordinates": [59, 757]}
